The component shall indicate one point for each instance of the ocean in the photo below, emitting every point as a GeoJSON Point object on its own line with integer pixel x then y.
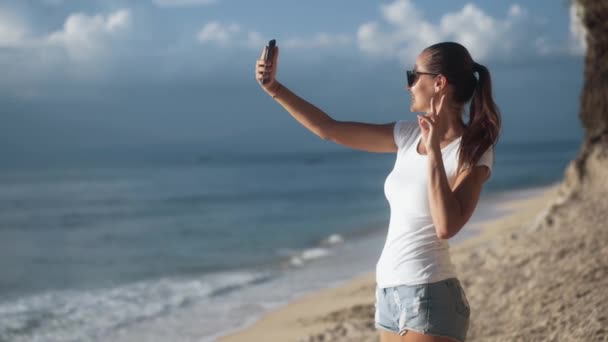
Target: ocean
{"type": "Point", "coordinates": [188, 250]}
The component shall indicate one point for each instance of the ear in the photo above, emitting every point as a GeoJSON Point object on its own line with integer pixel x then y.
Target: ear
{"type": "Point", "coordinates": [440, 83]}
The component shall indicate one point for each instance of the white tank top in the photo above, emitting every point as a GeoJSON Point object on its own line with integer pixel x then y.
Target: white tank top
{"type": "Point", "coordinates": [412, 253]}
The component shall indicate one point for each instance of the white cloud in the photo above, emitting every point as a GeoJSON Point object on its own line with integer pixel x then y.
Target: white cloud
{"type": "Point", "coordinates": [217, 32]}
{"type": "Point", "coordinates": [578, 32]}
{"type": "Point", "coordinates": [231, 34]}
{"type": "Point", "coordinates": [82, 39]}
{"type": "Point", "coordinates": [183, 3]}
{"type": "Point", "coordinates": [85, 37]}
{"type": "Point", "coordinates": [80, 48]}
{"type": "Point", "coordinates": [483, 35]}
{"type": "Point", "coordinates": [13, 31]}
{"type": "Point", "coordinates": [409, 32]}
{"type": "Point", "coordinates": [319, 40]}
{"type": "Point", "coordinates": [401, 13]}
{"type": "Point", "coordinates": [255, 40]}
{"type": "Point", "coordinates": [576, 42]}
{"type": "Point", "coordinates": [82, 36]}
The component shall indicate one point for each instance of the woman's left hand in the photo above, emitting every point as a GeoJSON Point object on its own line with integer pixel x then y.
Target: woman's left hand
{"type": "Point", "coordinates": [433, 125]}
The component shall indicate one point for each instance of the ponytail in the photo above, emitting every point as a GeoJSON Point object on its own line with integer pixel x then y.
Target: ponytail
{"type": "Point", "coordinates": [484, 120]}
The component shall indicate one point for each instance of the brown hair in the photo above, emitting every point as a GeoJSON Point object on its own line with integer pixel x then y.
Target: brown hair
{"type": "Point", "coordinates": [454, 62]}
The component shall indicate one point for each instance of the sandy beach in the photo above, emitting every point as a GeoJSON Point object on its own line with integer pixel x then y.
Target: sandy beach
{"type": "Point", "coordinates": [525, 280]}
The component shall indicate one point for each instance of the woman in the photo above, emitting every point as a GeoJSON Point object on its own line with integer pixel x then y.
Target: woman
{"type": "Point", "coordinates": [432, 190]}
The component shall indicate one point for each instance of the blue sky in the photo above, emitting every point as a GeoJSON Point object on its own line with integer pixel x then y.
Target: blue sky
{"type": "Point", "coordinates": [159, 72]}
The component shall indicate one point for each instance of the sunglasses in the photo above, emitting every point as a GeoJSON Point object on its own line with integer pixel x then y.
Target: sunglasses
{"type": "Point", "coordinates": [412, 76]}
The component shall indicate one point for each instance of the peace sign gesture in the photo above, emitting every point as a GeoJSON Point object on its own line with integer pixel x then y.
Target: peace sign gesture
{"type": "Point", "coordinates": [433, 125]}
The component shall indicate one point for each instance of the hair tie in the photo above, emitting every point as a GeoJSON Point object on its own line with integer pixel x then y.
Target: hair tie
{"type": "Point", "coordinates": [476, 67]}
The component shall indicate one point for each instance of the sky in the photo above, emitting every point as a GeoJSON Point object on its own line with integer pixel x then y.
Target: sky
{"type": "Point", "coordinates": [118, 75]}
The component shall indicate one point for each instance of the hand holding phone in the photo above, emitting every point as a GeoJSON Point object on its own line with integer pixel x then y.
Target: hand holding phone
{"type": "Point", "coordinates": [269, 55]}
{"type": "Point", "coordinates": [266, 68]}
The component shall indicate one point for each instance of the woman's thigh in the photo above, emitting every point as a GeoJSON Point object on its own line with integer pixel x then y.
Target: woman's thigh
{"type": "Point", "coordinates": [412, 336]}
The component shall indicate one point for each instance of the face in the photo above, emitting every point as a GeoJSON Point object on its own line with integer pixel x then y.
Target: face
{"type": "Point", "coordinates": [423, 88]}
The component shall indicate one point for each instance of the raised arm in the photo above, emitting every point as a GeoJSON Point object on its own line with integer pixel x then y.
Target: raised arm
{"type": "Point", "coordinates": [357, 135]}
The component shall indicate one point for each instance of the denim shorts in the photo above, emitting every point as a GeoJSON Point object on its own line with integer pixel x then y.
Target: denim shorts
{"type": "Point", "coordinates": [440, 308]}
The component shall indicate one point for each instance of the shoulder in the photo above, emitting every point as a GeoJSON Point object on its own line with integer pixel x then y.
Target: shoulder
{"type": "Point", "coordinates": [487, 158]}
{"type": "Point", "coordinates": [485, 164]}
{"type": "Point", "coordinates": [404, 131]}
{"type": "Point", "coordinates": [483, 167]}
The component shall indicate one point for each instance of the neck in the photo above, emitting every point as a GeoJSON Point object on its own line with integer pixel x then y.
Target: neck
{"type": "Point", "coordinates": [456, 126]}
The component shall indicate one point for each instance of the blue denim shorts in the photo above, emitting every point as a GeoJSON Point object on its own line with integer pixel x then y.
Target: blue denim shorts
{"type": "Point", "coordinates": [440, 308]}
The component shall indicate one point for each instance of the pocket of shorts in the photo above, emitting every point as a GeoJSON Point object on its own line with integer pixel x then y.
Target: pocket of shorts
{"type": "Point", "coordinates": [461, 304]}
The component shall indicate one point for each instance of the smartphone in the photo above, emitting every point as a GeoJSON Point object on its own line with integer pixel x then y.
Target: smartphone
{"type": "Point", "coordinates": [269, 54]}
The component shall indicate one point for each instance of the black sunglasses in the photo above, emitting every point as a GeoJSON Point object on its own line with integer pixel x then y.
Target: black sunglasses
{"type": "Point", "coordinates": [412, 76]}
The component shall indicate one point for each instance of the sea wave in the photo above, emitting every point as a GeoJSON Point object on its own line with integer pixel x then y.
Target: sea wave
{"type": "Point", "coordinates": [300, 257]}
{"type": "Point", "coordinates": [88, 315]}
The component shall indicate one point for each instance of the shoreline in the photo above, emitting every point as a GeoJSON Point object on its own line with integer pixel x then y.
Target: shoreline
{"type": "Point", "coordinates": [315, 312]}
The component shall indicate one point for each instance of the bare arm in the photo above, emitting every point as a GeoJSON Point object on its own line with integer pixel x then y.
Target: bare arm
{"type": "Point", "coordinates": [357, 135]}
{"type": "Point", "coordinates": [452, 207]}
